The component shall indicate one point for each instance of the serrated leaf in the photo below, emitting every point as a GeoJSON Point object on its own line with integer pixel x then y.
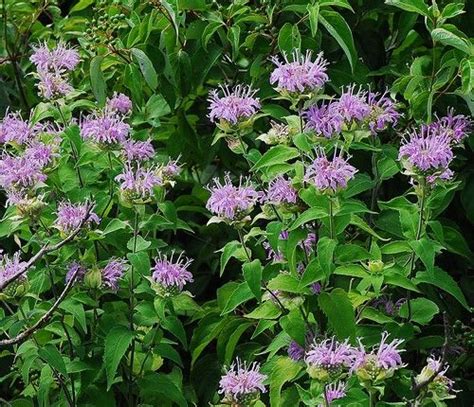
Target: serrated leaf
{"type": "Point", "coordinates": [447, 37]}
{"type": "Point", "coordinates": [339, 311]}
{"type": "Point", "coordinates": [50, 354]}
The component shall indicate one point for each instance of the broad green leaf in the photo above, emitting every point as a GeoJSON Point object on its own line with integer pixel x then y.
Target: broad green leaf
{"type": "Point", "coordinates": [141, 262]}
{"type": "Point", "coordinates": [293, 324]}
{"type": "Point", "coordinates": [50, 354]}
{"type": "Point", "coordinates": [289, 38]}
{"type": "Point", "coordinates": [447, 37]}
{"type": "Point", "coordinates": [467, 75]}
{"type": "Point", "coordinates": [339, 311]}
{"type": "Point", "coordinates": [266, 310]}
{"type": "Point", "coordinates": [415, 6]}
{"type": "Point", "coordinates": [276, 155]}
{"type": "Point", "coordinates": [284, 370]}
{"type": "Point", "coordinates": [146, 67]}
{"type": "Point", "coordinates": [340, 30]}
{"type": "Point", "coordinates": [241, 294]}
{"type": "Point", "coordinates": [325, 252]}
{"type": "Point", "coordinates": [99, 88]}
{"type": "Point", "coordinates": [422, 310]}
{"type": "Point", "coordinates": [117, 342]}
{"type": "Point", "coordinates": [231, 249]}
{"type": "Point", "coordinates": [307, 216]}
{"type": "Point", "coordinates": [253, 276]}
{"type": "Point", "coordinates": [313, 15]}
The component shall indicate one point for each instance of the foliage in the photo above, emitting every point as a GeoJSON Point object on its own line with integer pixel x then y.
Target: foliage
{"type": "Point", "coordinates": [159, 277]}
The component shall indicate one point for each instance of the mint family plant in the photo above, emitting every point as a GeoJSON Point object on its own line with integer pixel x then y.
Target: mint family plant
{"type": "Point", "coordinates": [219, 203]}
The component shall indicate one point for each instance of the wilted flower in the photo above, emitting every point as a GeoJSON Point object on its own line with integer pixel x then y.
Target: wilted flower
{"type": "Point", "coordinates": [61, 57]}
{"type": "Point", "coordinates": [172, 275]}
{"type": "Point", "coordinates": [138, 150]}
{"type": "Point", "coordinates": [328, 359]}
{"type": "Point", "coordinates": [169, 171]}
{"type": "Point", "coordinates": [352, 104]}
{"type": "Point", "coordinates": [234, 105]}
{"type": "Point", "coordinates": [278, 134]}
{"type": "Point", "coordinates": [300, 74]}
{"type": "Point", "coordinates": [435, 372]}
{"type": "Point", "coordinates": [426, 152]}
{"type": "Point", "coordinates": [119, 103]}
{"type": "Point", "coordinates": [77, 269]}
{"type": "Point", "coordinates": [280, 191]}
{"type": "Point", "coordinates": [71, 216]}
{"type": "Point", "coordinates": [104, 128]}
{"type": "Point", "coordinates": [335, 391]}
{"type": "Point", "coordinates": [329, 175]}
{"type": "Point", "coordinates": [242, 383]}
{"type": "Point", "coordinates": [380, 363]}
{"type": "Point", "coordinates": [382, 111]}
{"type": "Point", "coordinates": [138, 183]}
{"type": "Point", "coordinates": [456, 127]}
{"type": "Point", "coordinates": [113, 272]}
{"type": "Point", "coordinates": [324, 119]}
{"type": "Point", "coordinates": [231, 202]}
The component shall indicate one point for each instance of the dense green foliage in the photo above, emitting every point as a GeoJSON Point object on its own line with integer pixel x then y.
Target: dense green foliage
{"type": "Point", "coordinates": [380, 240]}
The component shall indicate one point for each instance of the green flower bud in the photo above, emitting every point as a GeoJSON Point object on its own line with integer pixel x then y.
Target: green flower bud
{"type": "Point", "coordinates": [93, 278]}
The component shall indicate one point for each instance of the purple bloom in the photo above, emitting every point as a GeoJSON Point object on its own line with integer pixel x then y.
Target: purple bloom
{"type": "Point", "coordinates": [426, 151]}
{"type": "Point", "coordinates": [41, 153]}
{"type": "Point", "coordinates": [71, 216]}
{"type": "Point", "coordinates": [456, 127]}
{"type": "Point", "coordinates": [119, 103]}
{"type": "Point", "coordinates": [14, 129]}
{"type": "Point", "coordinates": [329, 354]}
{"type": "Point", "coordinates": [383, 111]}
{"type": "Point", "coordinates": [325, 120]}
{"type": "Point", "coordinates": [335, 391]}
{"type": "Point", "coordinates": [309, 243]}
{"type": "Point", "coordinates": [272, 255]}
{"type": "Point", "coordinates": [75, 268]}
{"type": "Point", "coordinates": [171, 169]}
{"type": "Point", "coordinates": [242, 381]}
{"type": "Point", "coordinates": [10, 266]}
{"type": "Point", "coordinates": [138, 183]}
{"type": "Point", "coordinates": [329, 175]}
{"type": "Point", "coordinates": [316, 288]}
{"type": "Point", "coordinates": [300, 74]}
{"type": "Point", "coordinates": [53, 85]}
{"type": "Point", "coordinates": [295, 351]}
{"type": "Point", "coordinates": [138, 150]}
{"type": "Point", "coordinates": [382, 356]}
{"type": "Point", "coordinates": [280, 191]}
{"type": "Point", "coordinates": [352, 105]}
{"type": "Point", "coordinates": [229, 201]}
{"type": "Point", "coordinates": [60, 58]}
{"type": "Point", "coordinates": [104, 129]}
{"type": "Point", "coordinates": [19, 173]}
{"type": "Point", "coordinates": [234, 105]}
{"type": "Point", "coordinates": [112, 272]}
{"type": "Point", "coordinates": [172, 274]}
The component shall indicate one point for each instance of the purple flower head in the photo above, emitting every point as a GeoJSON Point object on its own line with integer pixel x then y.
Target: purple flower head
{"type": "Point", "coordinates": [352, 104]}
{"type": "Point", "coordinates": [71, 216]}
{"type": "Point", "coordinates": [113, 272]}
{"type": "Point", "coordinates": [300, 74]}
{"type": "Point", "coordinates": [382, 111]}
{"type": "Point", "coordinates": [138, 150]}
{"type": "Point", "coordinates": [242, 381]}
{"type": "Point", "coordinates": [325, 120]}
{"type": "Point", "coordinates": [41, 153]}
{"type": "Point", "coordinates": [60, 58]}
{"type": "Point", "coordinates": [280, 191]}
{"type": "Point", "coordinates": [426, 152]}
{"type": "Point", "coordinates": [329, 175]}
{"type": "Point", "coordinates": [18, 173]}
{"type": "Point", "coordinates": [335, 391]}
{"type": "Point", "coordinates": [104, 129]}
{"type": "Point", "coordinates": [456, 127]}
{"type": "Point", "coordinates": [75, 268]}
{"type": "Point", "coordinates": [329, 354]}
{"type": "Point", "coordinates": [234, 105]}
{"type": "Point", "coordinates": [53, 85]}
{"type": "Point", "coordinates": [229, 201]}
{"type": "Point", "coordinates": [14, 129]}
{"type": "Point", "coordinates": [309, 243]}
{"type": "Point", "coordinates": [138, 183]}
{"type": "Point", "coordinates": [275, 256]}
{"type": "Point", "coordinates": [295, 351]}
{"type": "Point", "coordinates": [172, 274]}
{"type": "Point", "coordinates": [10, 266]}
{"type": "Point", "coordinates": [119, 103]}
{"type": "Point", "coordinates": [316, 288]}
{"type": "Point", "coordinates": [170, 170]}
{"type": "Point", "coordinates": [383, 357]}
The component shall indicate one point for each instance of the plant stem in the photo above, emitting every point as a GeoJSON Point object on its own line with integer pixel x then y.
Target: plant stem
{"type": "Point", "coordinates": [332, 233]}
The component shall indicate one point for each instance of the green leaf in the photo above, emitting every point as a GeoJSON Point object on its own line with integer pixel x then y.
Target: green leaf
{"type": "Point", "coordinates": [266, 310]}
{"type": "Point", "coordinates": [140, 262]}
{"type": "Point", "coordinates": [76, 309]}
{"type": "Point", "coordinates": [241, 294]}
{"type": "Point", "coordinates": [443, 280]}
{"type": "Point", "coordinates": [286, 282]}
{"type": "Point", "coordinates": [313, 15]}
{"type": "Point", "coordinates": [289, 38]}
{"type": "Point", "coordinates": [114, 225]}
{"type": "Point", "coordinates": [163, 385]}
{"type": "Point", "coordinates": [422, 310]}
{"type": "Point", "coordinates": [276, 155]}
{"type": "Point", "coordinates": [415, 6]}
{"type": "Point", "coordinates": [253, 276]}
{"type": "Point", "coordinates": [207, 330]}
{"type": "Point", "coordinates": [308, 216]}
{"type": "Point", "coordinates": [340, 30]}
{"type": "Point", "coordinates": [339, 311]}
{"type": "Point", "coordinates": [116, 344]}
{"type": "Point", "coordinates": [284, 370]}
{"type": "Point", "coordinates": [425, 249]}
{"type": "Point", "coordinates": [231, 249]}
{"type": "Point", "coordinates": [51, 355]}
{"type": "Point", "coordinates": [325, 252]}
{"type": "Point", "coordinates": [146, 67]}
{"type": "Point", "coordinates": [98, 84]}
{"type": "Point", "coordinates": [138, 244]}
{"type": "Point", "coordinates": [447, 37]}
{"type": "Point", "coordinates": [293, 324]}
{"type": "Point", "coordinates": [467, 75]}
